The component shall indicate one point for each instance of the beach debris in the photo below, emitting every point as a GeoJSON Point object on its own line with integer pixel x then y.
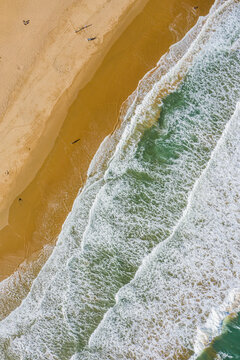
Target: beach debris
{"type": "Point", "coordinates": [7, 172]}
{"type": "Point", "coordinates": [82, 28]}
{"type": "Point", "coordinates": [20, 199]}
{"type": "Point", "coordinates": [75, 141]}
{"type": "Point", "coordinates": [92, 38]}
{"type": "Point", "coordinates": [26, 22]}
{"type": "Point", "coordinates": [195, 7]}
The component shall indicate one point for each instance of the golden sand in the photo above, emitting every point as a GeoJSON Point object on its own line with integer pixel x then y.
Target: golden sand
{"type": "Point", "coordinates": [38, 104]}
{"type": "Point", "coordinates": [37, 214]}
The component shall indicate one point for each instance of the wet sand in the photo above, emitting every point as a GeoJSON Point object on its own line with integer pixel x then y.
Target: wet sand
{"type": "Point", "coordinates": [37, 214]}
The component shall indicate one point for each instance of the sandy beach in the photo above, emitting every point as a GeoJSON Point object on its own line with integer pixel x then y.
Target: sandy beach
{"type": "Point", "coordinates": [40, 83]}
{"type": "Point", "coordinates": [43, 66]}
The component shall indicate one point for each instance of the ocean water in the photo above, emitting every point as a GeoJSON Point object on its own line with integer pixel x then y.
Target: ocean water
{"type": "Point", "coordinates": [148, 261]}
{"type": "Point", "coordinates": [226, 345]}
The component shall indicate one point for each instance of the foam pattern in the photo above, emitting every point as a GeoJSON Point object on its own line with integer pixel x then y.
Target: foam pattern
{"type": "Point", "coordinates": [156, 315]}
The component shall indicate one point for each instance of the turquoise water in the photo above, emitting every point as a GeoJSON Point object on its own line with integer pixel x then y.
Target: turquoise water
{"type": "Point", "coordinates": [226, 345]}
{"type": "Point", "coordinates": [151, 245]}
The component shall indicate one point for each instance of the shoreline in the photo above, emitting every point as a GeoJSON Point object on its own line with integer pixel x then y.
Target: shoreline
{"type": "Point", "coordinates": [36, 220]}
{"type": "Point", "coordinates": [66, 64]}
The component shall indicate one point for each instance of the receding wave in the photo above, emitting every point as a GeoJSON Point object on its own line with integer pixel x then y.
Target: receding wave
{"type": "Point", "coordinates": [151, 244]}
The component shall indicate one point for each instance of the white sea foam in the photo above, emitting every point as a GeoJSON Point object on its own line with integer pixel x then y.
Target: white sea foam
{"type": "Point", "coordinates": [145, 114]}
{"type": "Point", "coordinates": [216, 321]}
{"type": "Point", "coordinates": [156, 315]}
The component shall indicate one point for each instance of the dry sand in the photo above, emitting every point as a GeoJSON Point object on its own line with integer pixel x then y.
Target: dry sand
{"type": "Point", "coordinates": [43, 65]}
{"type": "Point", "coordinates": [49, 88]}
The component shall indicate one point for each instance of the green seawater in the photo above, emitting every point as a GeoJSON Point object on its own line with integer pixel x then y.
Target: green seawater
{"type": "Point", "coordinates": [227, 345]}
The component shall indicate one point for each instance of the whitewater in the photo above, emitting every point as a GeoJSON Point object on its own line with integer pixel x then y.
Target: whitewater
{"type": "Point", "coordinates": [147, 264]}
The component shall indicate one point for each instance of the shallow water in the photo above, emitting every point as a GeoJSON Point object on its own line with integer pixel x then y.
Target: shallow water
{"type": "Point", "coordinates": [152, 243]}
{"type": "Point", "coordinates": [226, 345]}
